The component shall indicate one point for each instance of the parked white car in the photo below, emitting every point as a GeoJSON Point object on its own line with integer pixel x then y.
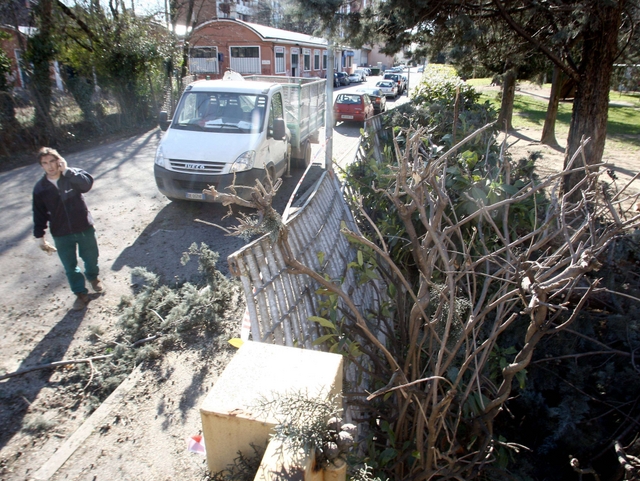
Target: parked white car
{"type": "Point", "coordinates": [388, 87]}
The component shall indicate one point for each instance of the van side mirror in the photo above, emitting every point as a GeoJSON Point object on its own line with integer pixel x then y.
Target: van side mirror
{"type": "Point", "coordinates": [163, 120]}
{"type": "Point", "coordinates": [279, 130]}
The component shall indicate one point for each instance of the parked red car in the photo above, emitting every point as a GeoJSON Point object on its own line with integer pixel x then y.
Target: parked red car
{"type": "Point", "coordinates": [356, 107]}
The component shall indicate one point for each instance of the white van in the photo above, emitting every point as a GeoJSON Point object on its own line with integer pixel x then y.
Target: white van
{"type": "Point", "coordinates": [222, 132]}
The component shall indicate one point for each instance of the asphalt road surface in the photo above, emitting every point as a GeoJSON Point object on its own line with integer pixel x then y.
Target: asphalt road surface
{"type": "Point", "coordinates": [346, 135]}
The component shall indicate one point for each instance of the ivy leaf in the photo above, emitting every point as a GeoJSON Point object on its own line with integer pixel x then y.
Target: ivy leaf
{"type": "Point", "coordinates": [509, 189]}
{"type": "Point", "coordinates": [521, 376]}
{"type": "Point", "coordinates": [322, 339]}
{"type": "Point", "coordinates": [478, 194]}
{"type": "Point", "coordinates": [387, 455]}
{"type": "Point", "coordinates": [322, 321]}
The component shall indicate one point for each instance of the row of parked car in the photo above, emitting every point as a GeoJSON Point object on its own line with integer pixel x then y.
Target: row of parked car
{"type": "Point", "coordinates": [368, 101]}
{"type": "Point", "coordinates": [360, 105]}
{"type": "Point", "coordinates": [343, 78]}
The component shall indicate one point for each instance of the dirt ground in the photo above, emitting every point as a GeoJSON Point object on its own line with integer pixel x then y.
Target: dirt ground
{"type": "Point", "coordinates": [624, 163]}
{"type": "Point", "coordinates": [142, 434]}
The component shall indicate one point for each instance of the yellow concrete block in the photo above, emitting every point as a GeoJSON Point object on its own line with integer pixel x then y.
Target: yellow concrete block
{"type": "Point", "coordinates": [230, 422]}
{"type": "Point", "coordinates": [280, 463]}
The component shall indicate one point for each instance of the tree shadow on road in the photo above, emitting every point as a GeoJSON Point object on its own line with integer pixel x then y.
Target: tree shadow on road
{"type": "Point", "coordinates": [520, 136]}
{"type": "Point", "coordinates": [160, 246]}
{"type": "Point", "coordinates": [19, 392]}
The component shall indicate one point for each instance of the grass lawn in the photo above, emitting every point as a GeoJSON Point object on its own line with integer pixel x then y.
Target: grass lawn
{"type": "Point", "coordinates": [623, 126]}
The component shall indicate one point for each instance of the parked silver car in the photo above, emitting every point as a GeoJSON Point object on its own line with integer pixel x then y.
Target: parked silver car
{"type": "Point", "coordinates": [388, 87]}
{"type": "Point", "coordinates": [355, 77]}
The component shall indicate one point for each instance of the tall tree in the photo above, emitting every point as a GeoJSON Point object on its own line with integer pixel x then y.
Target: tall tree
{"type": "Point", "coordinates": [471, 43]}
{"type": "Point", "coordinates": [39, 55]}
{"type": "Point", "coordinates": [554, 27]}
{"type": "Point", "coordinates": [548, 136]}
{"type": "Point", "coordinates": [8, 121]}
{"type": "Point", "coordinates": [126, 53]}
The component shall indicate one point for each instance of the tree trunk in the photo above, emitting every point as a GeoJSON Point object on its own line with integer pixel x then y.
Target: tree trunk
{"type": "Point", "coordinates": [40, 54]}
{"type": "Point", "coordinates": [187, 40]}
{"type": "Point", "coordinates": [591, 104]}
{"type": "Point", "coordinates": [508, 96]}
{"type": "Point", "coordinates": [82, 89]}
{"type": "Point", "coordinates": [8, 121]}
{"type": "Point", "coordinates": [549, 129]}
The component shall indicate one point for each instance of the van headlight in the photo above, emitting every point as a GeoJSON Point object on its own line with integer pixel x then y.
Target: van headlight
{"type": "Point", "coordinates": [244, 162]}
{"type": "Point", "coordinates": [160, 157]}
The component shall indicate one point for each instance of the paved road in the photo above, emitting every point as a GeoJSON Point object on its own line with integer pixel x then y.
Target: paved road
{"type": "Point", "coordinates": [136, 225]}
{"type": "Point", "coordinates": [347, 134]}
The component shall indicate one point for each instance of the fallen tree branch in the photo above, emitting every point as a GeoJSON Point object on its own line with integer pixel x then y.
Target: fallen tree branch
{"type": "Point", "coordinates": [55, 364]}
{"type": "Point", "coordinates": [69, 362]}
{"type": "Point", "coordinates": [630, 464]}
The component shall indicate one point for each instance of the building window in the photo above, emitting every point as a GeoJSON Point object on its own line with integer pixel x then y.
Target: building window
{"type": "Point", "coordinates": [316, 60]}
{"type": "Point", "coordinates": [307, 58]}
{"type": "Point", "coordinates": [245, 59]}
{"type": "Point", "coordinates": [280, 63]}
{"type": "Point", "coordinates": [203, 60]}
{"type": "Point", "coordinates": [347, 58]}
{"type": "Point", "coordinates": [324, 60]}
{"type": "Point", "coordinates": [276, 111]}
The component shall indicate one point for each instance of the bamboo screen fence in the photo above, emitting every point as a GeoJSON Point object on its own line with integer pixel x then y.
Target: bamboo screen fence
{"type": "Point", "coordinates": [280, 303]}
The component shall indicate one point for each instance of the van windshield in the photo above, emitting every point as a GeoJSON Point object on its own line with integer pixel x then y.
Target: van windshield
{"type": "Point", "coordinates": [220, 112]}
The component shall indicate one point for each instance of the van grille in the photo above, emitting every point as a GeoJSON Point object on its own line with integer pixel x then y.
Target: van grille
{"type": "Point", "coordinates": [197, 166]}
{"type": "Point", "coordinates": [193, 186]}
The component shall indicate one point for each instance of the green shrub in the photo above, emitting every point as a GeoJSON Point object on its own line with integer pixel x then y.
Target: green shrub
{"type": "Point", "coordinates": [475, 176]}
{"type": "Point", "coordinates": [577, 396]}
{"type": "Point", "coordinates": [440, 96]}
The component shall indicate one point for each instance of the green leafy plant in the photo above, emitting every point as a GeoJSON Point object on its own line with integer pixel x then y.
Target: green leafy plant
{"type": "Point", "coordinates": [243, 468]}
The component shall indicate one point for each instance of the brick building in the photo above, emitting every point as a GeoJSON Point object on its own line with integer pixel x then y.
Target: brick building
{"type": "Point", "coordinates": [249, 48]}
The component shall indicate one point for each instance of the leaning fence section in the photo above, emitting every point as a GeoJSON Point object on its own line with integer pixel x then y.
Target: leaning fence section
{"type": "Point", "coordinates": [280, 302]}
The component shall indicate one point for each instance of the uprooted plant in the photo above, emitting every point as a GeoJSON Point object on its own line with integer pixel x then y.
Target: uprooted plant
{"type": "Point", "coordinates": [310, 424]}
{"type": "Point", "coordinates": [478, 276]}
